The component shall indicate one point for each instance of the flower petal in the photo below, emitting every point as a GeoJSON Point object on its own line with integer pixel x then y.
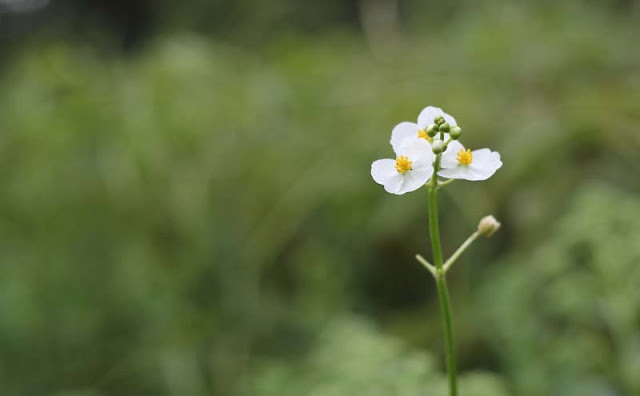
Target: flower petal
{"type": "Point", "coordinates": [450, 120]}
{"type": "Point", "coordinates": [384, 172]}
{"type": "Point", "coordinates": [450, 155]}
{"type": "Point", "coordinates": [419, 152]}
{"type": "Point", "coordinates": [429, 113]}
{"type": "Point", "coordinates": [487, 158]}
{"type": "Point", "coordinates": [414, 179]}
{"type": "Point", "coordinates": [383, 169]}
{"type": "Point", "coordinates": [402, 131]}
{"type": "Point", "coordinates": [465, 172]}
{"type": "Point", "coordinates": [485, 163]}
{"type": "Point", "coordinates": [394, 184]}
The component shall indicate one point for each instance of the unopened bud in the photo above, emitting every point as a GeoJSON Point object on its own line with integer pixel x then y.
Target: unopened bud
{"type": "Point", "coordinates": [455, 132]}
{"type": "Point", "coordinates": [432, 129]}
{"type": "Point", "coordinates": [439, 120]}
{"type": "Point", "coordinates": [437, 146]}
{"type": "Point", "coordinates": [444, 127]}
{"type": "Point", "coordinates": [488, 225]}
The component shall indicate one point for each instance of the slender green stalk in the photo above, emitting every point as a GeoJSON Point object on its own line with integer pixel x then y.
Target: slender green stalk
{"type": "Point", "coordinates": [433, 228]}
{"type": "Point", "coordinates": [427, 265]}
{"type": "Point", "coordinates": [460, 250]}
{"type": "Point", "coordinates": [445, 307]}
{"type": "Point", "coordinates": [441, 282]}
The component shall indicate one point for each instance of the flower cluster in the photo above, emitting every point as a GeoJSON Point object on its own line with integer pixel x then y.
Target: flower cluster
{"type": "Point", "coordinates": [430, 149]}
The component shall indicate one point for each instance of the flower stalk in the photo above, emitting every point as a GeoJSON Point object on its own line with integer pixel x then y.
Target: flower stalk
{"type": "Point", "coordinates": [441, 281]}
{"type": "Point", "coordinates": [450, 356]}
{"type": "Point", "coordinates": [427, 265]}
{"type": "Point", "coordinates": [460, 250]}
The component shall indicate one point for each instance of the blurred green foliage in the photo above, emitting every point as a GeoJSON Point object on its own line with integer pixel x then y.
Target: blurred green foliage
{"type": "Point", "coordinates": [353, 359]}
{"type": "Point", "coordinates": [191, 221]}
{"type": "Point", "coordinates": [566, 318]}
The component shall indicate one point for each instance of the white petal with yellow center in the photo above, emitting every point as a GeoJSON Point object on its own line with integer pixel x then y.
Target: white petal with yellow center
{"type": "Point", "coordinates": [411, 169]}
{"type": "Point", "coordinates": [458, 163]}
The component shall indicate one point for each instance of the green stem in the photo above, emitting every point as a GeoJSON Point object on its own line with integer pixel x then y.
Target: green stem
{"type": "Point", "coordinates": [460, 250]}
{"type": "Point", "coordinates": [441, 282]}
{"type": "Point", "coordinates": [433, 228]}
{"type": "Point", "coordinates": [445, 307]}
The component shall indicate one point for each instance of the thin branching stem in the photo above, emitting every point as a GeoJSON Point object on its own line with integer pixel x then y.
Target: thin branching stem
{"type": "Point", "coordinates": [460, 250]}
{"type": "Point", "coordinates": [426, 264]}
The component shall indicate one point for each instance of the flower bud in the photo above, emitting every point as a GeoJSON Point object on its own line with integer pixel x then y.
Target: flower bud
{"type": "Point", "coordinates": [444, 127]}
{"type": "Point", "coordinates": [488, 225]}
{"type": "Point", "coordinates": [439, 120]}
{"type": "Point", "coordinates": [437, 146]}
{"type": "Point", "coordinates": [455, 132]}
{"type": "Point", "coordinates": [432, 129]}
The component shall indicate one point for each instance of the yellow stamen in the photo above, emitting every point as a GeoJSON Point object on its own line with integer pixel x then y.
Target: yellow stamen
{"type": "Point", "coordinates": [403, 164]}
{"type": "Point", "coordinates": [465, 157]}
{"type": "Point", "coordinates": [423, 134]}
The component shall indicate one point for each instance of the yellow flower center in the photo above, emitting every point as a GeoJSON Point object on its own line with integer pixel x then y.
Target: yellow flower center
{"type": "Point", "coordinates": [465, 157]}
{"type": "Point", "coordinates": [403, 164]}
{"type": "Point", "coordinates": [423, 134]}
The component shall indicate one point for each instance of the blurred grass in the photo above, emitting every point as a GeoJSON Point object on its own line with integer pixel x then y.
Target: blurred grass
{"type": "Point", "coordinates": [170, 221]}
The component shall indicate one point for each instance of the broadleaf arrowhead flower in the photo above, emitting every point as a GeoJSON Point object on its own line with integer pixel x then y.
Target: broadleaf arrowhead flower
{"type": "Point", "coordinates": [406, 129]}
{"type": "Point", "coordinates": [411, 169]}
{"type": "Point", "coordinates": [425, 155]}
{"type": "Point", "coordinates": [460, 163]}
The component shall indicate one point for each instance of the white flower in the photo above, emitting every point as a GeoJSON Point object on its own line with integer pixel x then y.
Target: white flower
{"type": "Point", "coordinates": [411, 169]}
{"type": "Point", "coordinates": [458, 163]}
{"type": "Point", "coordinates": [408, 129]}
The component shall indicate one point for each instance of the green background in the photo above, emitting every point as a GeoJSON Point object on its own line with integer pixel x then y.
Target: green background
{"type": "Point", "coordinates": [186, 207]}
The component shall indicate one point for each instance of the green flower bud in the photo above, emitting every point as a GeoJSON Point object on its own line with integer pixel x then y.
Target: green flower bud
{"type": "Point", "coordinates": [437, 146]}
{"type": "Point", "coordinates": [444, 127]}
{"type": "Point", "coordinates": [439, 120]}
{"type": "Point", "coordinates": [455, 132]}
{"type": "Point", "coordinates": [432, 129]}
{"type": "Point", "coordinates": [488, 225]}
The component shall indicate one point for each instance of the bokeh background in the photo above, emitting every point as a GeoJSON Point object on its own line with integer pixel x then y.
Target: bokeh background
{"type": "Point", "coordinates": [186, 206]}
